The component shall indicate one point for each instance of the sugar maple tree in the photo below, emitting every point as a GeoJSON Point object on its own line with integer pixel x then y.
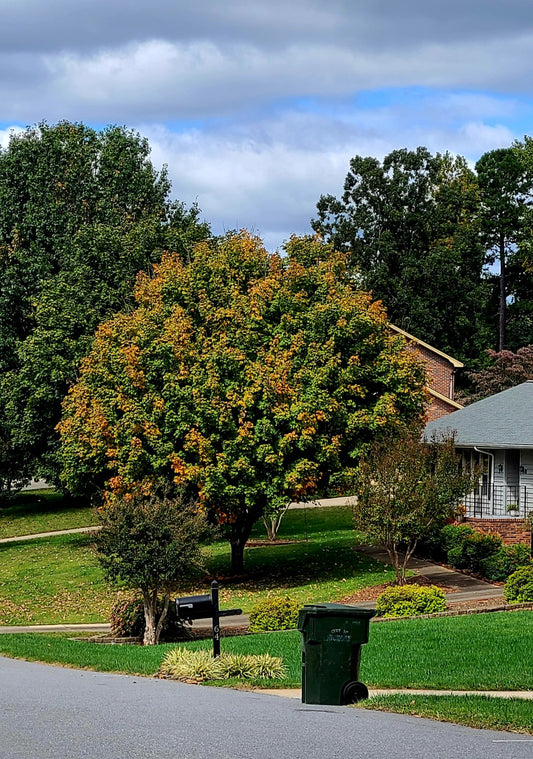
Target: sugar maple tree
{"type": "Point", "coordinates": [246, 379]}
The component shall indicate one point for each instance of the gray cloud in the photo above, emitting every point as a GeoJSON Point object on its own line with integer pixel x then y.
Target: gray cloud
{"type": "Point", "coordinates": [377, 24]}
{"type": "Point", "coordinates": [224, 75]}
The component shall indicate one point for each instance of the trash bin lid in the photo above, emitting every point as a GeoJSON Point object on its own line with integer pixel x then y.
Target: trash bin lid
{"type": "Point", "coordinates": [336, 610]}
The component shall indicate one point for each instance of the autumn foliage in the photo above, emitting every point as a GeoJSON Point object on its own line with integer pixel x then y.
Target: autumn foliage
{"type": "Point", "coordinates": [244, 378]}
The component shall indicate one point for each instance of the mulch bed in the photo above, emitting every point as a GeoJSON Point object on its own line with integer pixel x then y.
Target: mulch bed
{"type": "Point", "coordinates": [370, 594]}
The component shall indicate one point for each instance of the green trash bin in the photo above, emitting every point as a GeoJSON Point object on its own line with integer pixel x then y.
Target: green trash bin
{"type": "Point", "coordinates": [332, 636]}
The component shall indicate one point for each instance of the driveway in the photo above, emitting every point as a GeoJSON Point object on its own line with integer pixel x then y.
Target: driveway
{"type": "Point", "coordinates": [48, 712]}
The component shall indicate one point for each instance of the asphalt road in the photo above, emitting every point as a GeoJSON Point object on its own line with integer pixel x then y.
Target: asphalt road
{"type": "Point", "coordinates": [50, 712]}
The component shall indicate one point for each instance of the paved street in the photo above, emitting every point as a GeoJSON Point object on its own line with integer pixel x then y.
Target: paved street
{"type": "Point", "coordinates": [48, 712]}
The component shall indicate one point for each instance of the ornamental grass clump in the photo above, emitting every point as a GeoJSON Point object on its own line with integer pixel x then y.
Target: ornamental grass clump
{"type": "Point", "coordinates": [274, 613]}
{"type": "Point", "coordinates": [182, 664]}
{"type": "Point", "coordinates": [410, 601]}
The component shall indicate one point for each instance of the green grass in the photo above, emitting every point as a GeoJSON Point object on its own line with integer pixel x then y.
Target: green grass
{"type": "Point", "coordinates": [319, 566]}
{"type": "Point", "coordinates": [51, 581]}
{"type": "Point", "coordinates": [509, 714]}
{"type": "Point", "coordinates": [57, 579]}
{"type": "Point", "coordinates": [37, 511]}
{"type": "Point", "coordinates": [475, 652]}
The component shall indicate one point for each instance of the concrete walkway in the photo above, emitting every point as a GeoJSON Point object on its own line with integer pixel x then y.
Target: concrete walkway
{"type": "Point", "coordinates": [33, 536]}
{"type": "Point", "coordinates": [465, 587]}
{"type": "Point", "coordinates": [524, 694]}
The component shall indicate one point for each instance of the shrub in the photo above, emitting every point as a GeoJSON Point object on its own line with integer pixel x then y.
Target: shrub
{"type": "Point", "coordinates": [505, 561]}
{"type": "Point", "coordinates": [467, 549]}
{"type": "Point", "coordinates": [182, 664]}
{"type": "Point", "coordinates": [410, 600]}
{"type": "Point", "coordinates": [127, 619]}
{"type": "Point", "coordinates": [274, 613]}
{"type": "Point", "coordinates": [519, 586]}
{"type": "Point", "coordinates": [454, 535]}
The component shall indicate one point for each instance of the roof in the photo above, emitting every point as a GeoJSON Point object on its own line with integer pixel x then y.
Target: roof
{"type": "Point", "coordinates": [453, 361]}
{"type": "Point", "coordinates": [504, 420]}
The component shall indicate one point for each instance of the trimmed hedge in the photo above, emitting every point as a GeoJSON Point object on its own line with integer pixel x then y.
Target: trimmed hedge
{"type": "Point", "coordinates": [519, 586]}
{"type": "Point", "coordinates": [410, 601]}
{"type": "Point", "coordinates": [274, 613]}
{"type": "Point", "coordinates": [465, 548]}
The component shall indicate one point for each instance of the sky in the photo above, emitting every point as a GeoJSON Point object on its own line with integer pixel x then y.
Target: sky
{"type": "Point", "coordinates": [257, 106]}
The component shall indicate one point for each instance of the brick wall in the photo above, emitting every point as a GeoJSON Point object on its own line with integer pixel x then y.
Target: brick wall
{"type": "Point", "coordinates": [436, 408]}
{"type": "Point", "coordinates": [440, 371]}
{"type": "Point", "coordinates": [511, 530]}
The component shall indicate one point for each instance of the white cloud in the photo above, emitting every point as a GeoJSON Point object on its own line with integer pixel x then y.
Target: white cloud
{"type": "Point", "coordinates": [6, 134]}
{"type": "Point", "coordinates": [268, 176]}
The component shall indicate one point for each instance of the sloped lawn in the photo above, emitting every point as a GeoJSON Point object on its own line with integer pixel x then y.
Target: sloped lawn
{"type": "Point", "coordinates": [57, 579]}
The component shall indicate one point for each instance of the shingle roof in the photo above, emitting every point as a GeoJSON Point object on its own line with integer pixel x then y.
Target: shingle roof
{"type": "Point", "coordinates": [504, 420]}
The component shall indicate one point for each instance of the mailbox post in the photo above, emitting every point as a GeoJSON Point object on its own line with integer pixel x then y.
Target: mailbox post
{"type": "Point", "coordinates": [189, 608]}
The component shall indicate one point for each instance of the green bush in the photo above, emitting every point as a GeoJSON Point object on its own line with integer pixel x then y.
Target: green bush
{"type": "Point", "coordinates": [519, 586]}
{"type": "Point", "coordinates": [467, 549]}
{"type": "Point", "coordinates": [454, 535]}
{"type": "Point", "coordinates": [410, 600]}
{"type": "Point", "coordinates": [127, 619]}
{"type": "Point", "coordinates": [274, 613]}
{"type": "Point", "coordinates": [182, 664]}
{"type": "Point", "coordinates": [505, 561]}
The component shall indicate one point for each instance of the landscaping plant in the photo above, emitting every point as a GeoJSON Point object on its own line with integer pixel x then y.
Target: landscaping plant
{"type": "Point", "coordinates": [274, 613]}
{"type": "Point", "coordinates": [410, 601]}
{"type": "Point", "coordinates": [183, 664]}
{"type": "Point", "coordinates": [519, 586]}
{"type": "Point", "coordinates": [405, 486]}
{"type": "Point", "coordinates": [152, 545]}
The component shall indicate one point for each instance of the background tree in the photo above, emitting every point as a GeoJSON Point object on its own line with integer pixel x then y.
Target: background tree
{"type": "Point", "coordinates": [504, 185]}
{"type": "Point", "coordinates": [405, 486]}
{"type": "Point", "coordinates": [506, 369]}
{"type": "Point", "coordinates": [81, 212]}
{"type": "Point", "coordinates": [245, 378]}
{"type": "Point", "coordinates": [152, 545]}
{"type": "Point", "coordinates": [411, 227]}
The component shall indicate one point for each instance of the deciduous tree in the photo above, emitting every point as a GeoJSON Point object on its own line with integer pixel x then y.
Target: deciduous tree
{"type": "Point", "coordinates": [151, 544]}
{"type": "Point", "coordinates": [245, 378]}
{"type": "Point", "coordinates": [81, 212]}
{"type": "Point", "coordinates": [405, 486]}
{"type": "Point", "coordinates": [411, 227]}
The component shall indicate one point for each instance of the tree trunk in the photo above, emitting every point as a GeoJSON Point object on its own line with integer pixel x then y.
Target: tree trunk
{"type": "Point", "coordinates": [503, 295]}
{"type": "Point", "coordinates": [272, 523]}
{"type": "Point", "coordinates": [237, 554]}
{"type": "Point", "coordinates": [151, 635]}
{"type": "Point", "coordinates": [240, 532]}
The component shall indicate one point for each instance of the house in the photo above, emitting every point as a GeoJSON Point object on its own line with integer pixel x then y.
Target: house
{"type": "Point", "coordinates": [496, 434]}
{"type": "Point", "coordinates": [440, 369]}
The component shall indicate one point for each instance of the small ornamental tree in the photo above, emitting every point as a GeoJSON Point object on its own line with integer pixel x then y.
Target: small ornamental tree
{"type": "Point", "coordinates": [151, 545]}
{"type": "Point", "coordinates": [405, 486]}
{"type": "Point", "coordinates": [246, 379]}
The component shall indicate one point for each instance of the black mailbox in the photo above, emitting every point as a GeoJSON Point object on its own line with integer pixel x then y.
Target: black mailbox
{"type": "Point", "coordinates": [205, 607]}
{"type": "Point", "coordinates": [194, 607]}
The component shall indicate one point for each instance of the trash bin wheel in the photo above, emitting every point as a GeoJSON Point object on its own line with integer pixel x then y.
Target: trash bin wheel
{"type": "Point", "coordinates": [353, 692]}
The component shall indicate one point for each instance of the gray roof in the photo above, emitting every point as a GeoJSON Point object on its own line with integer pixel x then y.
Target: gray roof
{"type": "Point", "coordinates": [504, 420]}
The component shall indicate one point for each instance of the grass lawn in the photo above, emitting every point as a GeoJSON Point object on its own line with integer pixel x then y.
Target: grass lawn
{"type": "Point", "coordinates": [509, 714]}
{"type": "Point", "coordinates": [52, 580]}
{"type": "Point", "coordinates": [472, 652]}
{"type": "Point", "coordinates": [36, 511]}
{"type": "Point", "coordinates": [57, 579]}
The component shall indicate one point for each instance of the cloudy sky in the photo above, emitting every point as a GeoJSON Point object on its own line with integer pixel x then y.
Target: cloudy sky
{"type": "Point", "coordinates": [257, 105]}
